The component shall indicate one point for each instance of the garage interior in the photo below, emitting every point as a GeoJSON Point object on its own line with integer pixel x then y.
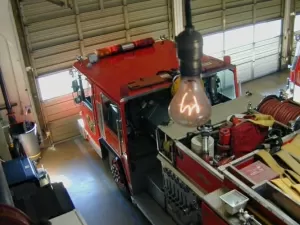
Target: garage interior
{"type": "Point", "coordinates": [40, 40]}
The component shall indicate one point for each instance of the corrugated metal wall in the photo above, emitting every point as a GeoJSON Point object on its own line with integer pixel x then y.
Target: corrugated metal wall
{"type": "Point", "coordinates": [235, 28]}
{"type": "Point", "coordinates": [297, 6]}
{"type": "Point", "coordinates": [220, 15]}
{"type": "Point", "coordinates": [56, 35]}
{"type": "Point", "coordinates": [61, 115]}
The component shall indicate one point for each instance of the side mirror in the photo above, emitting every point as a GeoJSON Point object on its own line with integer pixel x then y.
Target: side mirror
{"type": "Point", "coordinates": [77, 99]}
{"type": "Point", "coordinates": [75, 86]}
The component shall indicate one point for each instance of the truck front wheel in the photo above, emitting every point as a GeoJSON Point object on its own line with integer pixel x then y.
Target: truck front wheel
{"type": "Point", "coordinates": [118, 174]}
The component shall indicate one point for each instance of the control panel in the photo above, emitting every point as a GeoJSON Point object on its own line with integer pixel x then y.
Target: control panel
{"type": "Point", "coordinates": [181, 202]}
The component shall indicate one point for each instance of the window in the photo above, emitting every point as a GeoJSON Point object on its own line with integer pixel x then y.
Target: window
{"type": "Point", "coordinates": [213, 44]}
{"type": "Point", "coordinates": [55, 85]}
{"type": "Point", "coordinates": [111, 114]}
{"type": "Point", "coordinates": [238, 37]}
{"type": "Point", "coordinates": [87, 92]}
{"type": "Point", "coordinates": [297, 23]}
{"type": "Point", "coordinates": [267, 30]}
{"type": "Point", "coordinates": [58, 84]}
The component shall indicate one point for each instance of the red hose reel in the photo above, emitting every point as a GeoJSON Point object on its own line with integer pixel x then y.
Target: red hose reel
{"type": "Point", "coordinates": [282, 111]}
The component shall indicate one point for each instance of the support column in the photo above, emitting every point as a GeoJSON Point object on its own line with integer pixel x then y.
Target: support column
{"type": "Point", "coordinates": [79, 30]}
{"type": "Point", "coordinates": [126, 21]}
{"type": "Point", "coordinates": [177, 17]}
{"type": "Point", "coordinates": [287, 33]}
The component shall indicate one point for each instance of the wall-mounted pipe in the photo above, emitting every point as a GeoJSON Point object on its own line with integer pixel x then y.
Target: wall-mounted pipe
{"type": "Point", "coordinates": [8, 105]}
{"type": "Point", "coordinates": [14, 74]}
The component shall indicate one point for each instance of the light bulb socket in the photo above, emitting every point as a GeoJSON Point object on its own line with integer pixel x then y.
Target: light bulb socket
{"type": "Point", "coordinates": [189, 52]}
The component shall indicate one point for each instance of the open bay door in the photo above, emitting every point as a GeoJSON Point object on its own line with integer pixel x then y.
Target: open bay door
{"type": "Point", "coordinates": [56, 35]}
{"type": "Point", "coordinates": [249, 31]}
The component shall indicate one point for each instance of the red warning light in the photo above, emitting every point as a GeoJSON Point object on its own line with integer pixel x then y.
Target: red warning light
{"type": "Point", "coordinates": [116, 49]}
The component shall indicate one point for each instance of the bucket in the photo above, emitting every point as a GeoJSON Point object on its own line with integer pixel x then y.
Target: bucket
{"type": "Point", "coordinates": [26, 133]}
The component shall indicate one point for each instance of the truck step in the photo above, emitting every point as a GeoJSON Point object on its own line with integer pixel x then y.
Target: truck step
{"type": "Point", "coordinates": [155, 187]}
{"type": "Point", "coordinates": [152, 211]}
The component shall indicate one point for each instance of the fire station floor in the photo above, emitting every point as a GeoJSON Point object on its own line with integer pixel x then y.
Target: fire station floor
{"type": "Point", "coordinates": [89, 182]}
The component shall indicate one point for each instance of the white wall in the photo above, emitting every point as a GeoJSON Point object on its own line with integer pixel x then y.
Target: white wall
{"type": "Point", "coordinates": [12, 64]}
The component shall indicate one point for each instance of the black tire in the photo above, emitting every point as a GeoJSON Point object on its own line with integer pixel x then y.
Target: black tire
{"type": "Point", "coordinates": [118, 174]}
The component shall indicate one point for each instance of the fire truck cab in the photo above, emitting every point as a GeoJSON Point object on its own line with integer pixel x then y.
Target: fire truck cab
{"type": "Point", "coordinates": [124, 96]}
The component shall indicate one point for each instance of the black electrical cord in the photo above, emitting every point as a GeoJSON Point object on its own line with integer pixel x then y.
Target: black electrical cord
{"type": "Point", "coordinates": [188, 14]}
{"type": "Point", "coordinates": [189, 47]}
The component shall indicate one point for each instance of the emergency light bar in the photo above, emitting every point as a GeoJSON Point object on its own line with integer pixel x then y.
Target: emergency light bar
{"type": "Point", "coordinates": [116, 49]}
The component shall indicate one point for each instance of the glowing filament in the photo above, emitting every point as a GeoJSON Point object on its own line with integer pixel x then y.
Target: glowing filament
{"type": "Point", "coordinates": [191, 107]}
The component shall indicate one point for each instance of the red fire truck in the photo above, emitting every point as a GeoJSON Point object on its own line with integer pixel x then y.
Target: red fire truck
{"type": "Point", "coordinates": [127, 101]}
{"type": "Point", "coordinates": [124, 92]}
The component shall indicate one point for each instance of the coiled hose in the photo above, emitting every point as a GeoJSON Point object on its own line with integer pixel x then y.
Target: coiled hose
{"type": "Point", "coordinates": [282, 111]}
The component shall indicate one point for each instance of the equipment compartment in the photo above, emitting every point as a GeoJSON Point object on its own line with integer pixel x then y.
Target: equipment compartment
{"type": "Point", "coordinates": [204, 175]}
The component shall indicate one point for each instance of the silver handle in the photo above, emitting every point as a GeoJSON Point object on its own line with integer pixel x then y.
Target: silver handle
{"type": "Point", "coordinates": [119, 136]}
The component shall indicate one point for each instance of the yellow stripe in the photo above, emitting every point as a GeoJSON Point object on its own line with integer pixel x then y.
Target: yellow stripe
{"type": "Point", "coordinates": [270, 161]}
{"type": "Point", "coordinates": [283, 184]}
{"type": "Point", "coordinates": [34, 156]}
{"type": "Point", "coordinates": [296, 187]}
{"type": "Point", "coordinates": [293, 174]}
{"type": "Point", "coordinates": [289, 160]}
{"type": "Point", "coordinates": [263, 120]}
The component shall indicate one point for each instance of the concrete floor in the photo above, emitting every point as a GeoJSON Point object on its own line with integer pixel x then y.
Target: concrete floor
{"type": "Point", "coordinates": [267, 85]}
{"type": "Point", "coordinates": [89, 183]}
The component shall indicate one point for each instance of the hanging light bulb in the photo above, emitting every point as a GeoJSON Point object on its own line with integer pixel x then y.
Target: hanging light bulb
{"type": "Point", "coordinates": [190, 105]}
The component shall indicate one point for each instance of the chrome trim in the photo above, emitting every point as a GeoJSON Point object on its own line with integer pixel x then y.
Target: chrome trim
{"type": "Point", "coordinates": [125, 99]}
{"type": "Point", "coordinates": [168, 165]}
{"type": "Point", "coordinates": [119, 136]}
{"type": "Point", "coordinates": [248, 191]}
{"type": "Point", "coordinates": [165, 158]}
{"type": "Point", "coordinates": [157, 139]}
{"type": "Point", "coordinates": [80, 126]}
{"type": "Point", "coordinates": [101, 118]}
{"type": "Point", "coordinates": [199, 160]}
{"type": "Point", "coordinates": [95, 147]}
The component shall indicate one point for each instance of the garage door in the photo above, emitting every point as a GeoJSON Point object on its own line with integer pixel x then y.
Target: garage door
{"type": "Point", "coordinates": [56, 35]}
{"type": "Point", "coordinates": [249, 31]}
